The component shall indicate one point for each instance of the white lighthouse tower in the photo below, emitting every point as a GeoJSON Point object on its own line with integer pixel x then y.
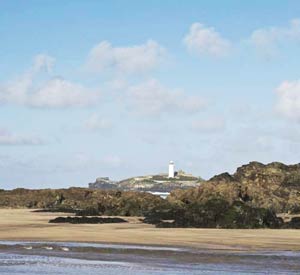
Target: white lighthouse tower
{"type": "Point", "coordinates": [171, 169]}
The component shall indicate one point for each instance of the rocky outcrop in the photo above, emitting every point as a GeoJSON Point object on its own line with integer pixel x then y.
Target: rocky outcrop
{"type": "Point", "coordinates": [274, 186]}
{"type": "Point", "coordinates": [104, 183]}
{"type": "Point", "coordinates": [82, 200]}
{"type": "Point", "coordinates": [214, 213]}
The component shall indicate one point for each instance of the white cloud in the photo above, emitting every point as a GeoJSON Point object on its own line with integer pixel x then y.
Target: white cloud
{"type": "Point", "coordinates": [16, 91]}
{"type": "Point", "coordinates": [95, 122]}
{"type": "Point", "coordinates": [151, 97]}
{"type": "Point", "coordinates": [58, 93]}
{"type": "Point", "coordinates": [203, 40]}
{"type": "Point", "coordinates": [288, 102]}
{"type": "Point", "coordinates": [54, 93]}
{"type": "Point", "coordinates": [7, 138]}
{"type": "Point", "coordinates": [134, 59]}
{"type": "Point", "coordinates": [209, 125]}
{"type": "Point", "coordinates": [267, 40]}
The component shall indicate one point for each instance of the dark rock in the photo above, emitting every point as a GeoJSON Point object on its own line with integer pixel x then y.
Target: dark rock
{"type": "Point", "coordinates": [91, 220]}
{"type": "Point", "coordinates": [293, 224]}
{"type": "Point", "coordinates": [215, 213]}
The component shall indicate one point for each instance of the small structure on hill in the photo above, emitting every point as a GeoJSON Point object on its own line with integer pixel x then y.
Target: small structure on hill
{"type": "Point", "coordinates": [171, 169]}
{"type": "Point", "coordinates": [160, 184]}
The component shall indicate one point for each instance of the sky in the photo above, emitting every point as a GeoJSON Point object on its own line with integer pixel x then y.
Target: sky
{"type": "Point", "coordinates": [119, 88]}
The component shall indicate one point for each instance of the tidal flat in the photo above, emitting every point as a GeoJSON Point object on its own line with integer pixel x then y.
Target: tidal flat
{"type": "Point", "coordinates": [17, 257]}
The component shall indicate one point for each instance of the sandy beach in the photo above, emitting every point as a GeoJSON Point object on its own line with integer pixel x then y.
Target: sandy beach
{"type": "Point", "coordinates": [26, 225]}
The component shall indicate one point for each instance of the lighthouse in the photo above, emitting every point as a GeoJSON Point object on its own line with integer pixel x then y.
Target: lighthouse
{"type": "Point", "coordinates": [171, 169]}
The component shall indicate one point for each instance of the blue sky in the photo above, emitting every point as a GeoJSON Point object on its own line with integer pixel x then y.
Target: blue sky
{"type": "Point", "coordinates": [119, 88]}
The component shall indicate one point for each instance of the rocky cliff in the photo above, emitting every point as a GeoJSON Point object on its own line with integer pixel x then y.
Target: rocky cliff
{"type": "Point", "coordinates": [274, 186]}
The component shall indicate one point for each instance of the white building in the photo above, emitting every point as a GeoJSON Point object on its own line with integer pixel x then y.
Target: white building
{"type": "Point", "coordinates": [171, 169]}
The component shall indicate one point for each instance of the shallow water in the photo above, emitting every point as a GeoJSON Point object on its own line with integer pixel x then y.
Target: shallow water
{"type": "Point", "coordinates": [87, 258]}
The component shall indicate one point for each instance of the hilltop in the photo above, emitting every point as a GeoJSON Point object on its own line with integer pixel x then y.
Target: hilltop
{"type": "Point", "coordinates": [152, 183]}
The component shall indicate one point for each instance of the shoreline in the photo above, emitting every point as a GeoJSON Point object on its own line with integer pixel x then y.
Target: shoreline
{"type": "Point", "coordinates": [26, 225]}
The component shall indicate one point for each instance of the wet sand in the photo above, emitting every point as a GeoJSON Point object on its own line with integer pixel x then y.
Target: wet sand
{"type": "Point", "coordinates": [25, 225]}
{"type": "Point", "coordinates": [92, 258]}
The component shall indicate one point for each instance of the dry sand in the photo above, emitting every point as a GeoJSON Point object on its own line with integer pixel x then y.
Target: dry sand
{"type": "Point", "coordinates": [25, 225]}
